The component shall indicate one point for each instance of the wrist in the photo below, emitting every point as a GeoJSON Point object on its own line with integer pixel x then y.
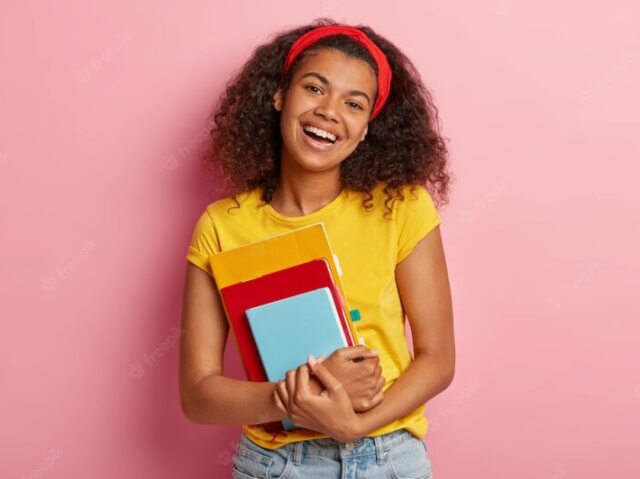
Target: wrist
{"type": "Point", "coordinates": [276, 413]}
{"type": "Point", "coordinates": [355, 429]}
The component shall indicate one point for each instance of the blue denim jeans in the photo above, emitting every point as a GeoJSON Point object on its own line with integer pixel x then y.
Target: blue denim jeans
{"type": "Point", "coordinates": [398, 454]}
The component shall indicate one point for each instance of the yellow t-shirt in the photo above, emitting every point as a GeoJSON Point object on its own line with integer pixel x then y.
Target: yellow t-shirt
{"type": "Point", "coordinates": [368, 247]}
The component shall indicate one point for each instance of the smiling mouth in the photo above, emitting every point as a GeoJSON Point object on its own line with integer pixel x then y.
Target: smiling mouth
{"type": "Point", "coordinates": [318, 138]}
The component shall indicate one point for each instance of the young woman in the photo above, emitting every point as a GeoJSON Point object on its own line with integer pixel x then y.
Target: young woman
{"type": "Point", "coordinates": [331, 123]}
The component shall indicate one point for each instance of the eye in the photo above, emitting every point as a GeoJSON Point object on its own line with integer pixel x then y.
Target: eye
{"type": "Point", "coordinates": [355, 104]}
{"type": "Point", "coordinates": [311, 86]}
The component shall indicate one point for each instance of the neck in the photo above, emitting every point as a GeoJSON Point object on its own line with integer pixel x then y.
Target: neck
{"type": "Point", "coordinates": [301, 192]}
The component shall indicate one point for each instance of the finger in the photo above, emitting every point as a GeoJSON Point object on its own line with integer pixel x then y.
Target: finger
{"type": "Point", "coordinates": [278, 400]}
{"type": "Point", "coordinates": [371, 356]}
{"type": "Point", "coordinates": [313, 359]}
{"type": "Point", "coordinates": [373, 353]}
{"type": "Point", "coordinates": [302, 381]}
{"type": "Point", "coordinates": [357, 352]}
{"type": "Point", "coordinates": [328, 380]}
{"type": "Point", "coordinates": [350, 350]}
{"type": "Point", "coordinates": [291, 385]}
{"type": "Point", "coordinates": [284, 396]}
{"type": "Point", "coordinates": [283, 392]}
{"type": "Point", "coordinates": [377, 399]}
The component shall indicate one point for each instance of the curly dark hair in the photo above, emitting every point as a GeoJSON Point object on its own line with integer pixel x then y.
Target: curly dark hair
{"type": "Point", "coordinates": [403, 146]}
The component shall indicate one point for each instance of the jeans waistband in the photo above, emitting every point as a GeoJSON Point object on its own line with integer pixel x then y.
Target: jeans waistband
{"type": "Point", "coordinates": [378, 445]}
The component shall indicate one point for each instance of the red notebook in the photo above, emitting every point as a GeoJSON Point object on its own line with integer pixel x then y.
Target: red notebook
{"type": "Point", "coordinates": [281, 284]}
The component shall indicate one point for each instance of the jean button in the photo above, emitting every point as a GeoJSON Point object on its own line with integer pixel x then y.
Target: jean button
{"type": "Point", "coordinates": [349, 446]}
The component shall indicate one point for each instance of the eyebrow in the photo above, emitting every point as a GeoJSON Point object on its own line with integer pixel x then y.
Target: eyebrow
{"type": "Point", "coordinates": [324, 80]}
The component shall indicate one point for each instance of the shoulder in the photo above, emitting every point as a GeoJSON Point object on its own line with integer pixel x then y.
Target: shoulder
{"type": "Point", "coordinates": [220, 211]}
{"type": "Point", "coordinates": [403, 200]}
{"type": "Point", "coordinates": [415, 193]}
{"type": "Point", "coordinates": [416, 217]}
{"type": "Point", "coordinates": [234, 205]}
{"type": "Point", "coordinates": [416, 204]}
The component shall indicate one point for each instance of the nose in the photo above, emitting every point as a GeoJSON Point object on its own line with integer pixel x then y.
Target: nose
{"type": "Point", "coordinates": [327, 108]}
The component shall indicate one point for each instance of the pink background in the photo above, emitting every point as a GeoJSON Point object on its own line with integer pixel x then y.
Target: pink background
{"type": "Point", "coordinates": [102, 123]}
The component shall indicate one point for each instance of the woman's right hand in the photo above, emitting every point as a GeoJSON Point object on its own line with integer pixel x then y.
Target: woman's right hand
{"type": "Point", "coordinates": [361, 379]}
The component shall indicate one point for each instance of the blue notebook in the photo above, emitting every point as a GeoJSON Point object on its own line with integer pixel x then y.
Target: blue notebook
{"type": "Point", "coordinates": [288, 330]}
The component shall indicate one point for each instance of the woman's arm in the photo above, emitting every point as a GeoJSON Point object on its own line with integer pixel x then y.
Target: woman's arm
{"type": "Point", "coordinates": [206, 395]}
{"type": "Point", "coordinates": [423, 285]}
{"type": "Point", "coordinates": [424, 291]}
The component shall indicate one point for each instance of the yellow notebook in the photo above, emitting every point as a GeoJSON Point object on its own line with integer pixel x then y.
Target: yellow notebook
{"type": "Point", "coordinates": [278, 252]}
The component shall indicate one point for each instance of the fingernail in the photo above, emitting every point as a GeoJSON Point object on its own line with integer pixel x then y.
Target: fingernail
{"type": "Point", "coordinates": [312, 360]}
{"type": "Point", "coordinates": [374, 351]}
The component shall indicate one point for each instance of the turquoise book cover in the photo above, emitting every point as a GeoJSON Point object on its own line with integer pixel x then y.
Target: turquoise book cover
{"type": "Point", "coordinates": [288, 330]}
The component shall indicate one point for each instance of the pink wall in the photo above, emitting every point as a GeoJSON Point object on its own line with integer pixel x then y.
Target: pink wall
{"type": "Point", "coordinates": [102, 121]}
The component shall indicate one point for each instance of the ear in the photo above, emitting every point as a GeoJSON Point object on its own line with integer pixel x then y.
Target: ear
{"type": "Point", "coordinates": [366, 129]}
{"type": "Point", "coordinates": [277, 100]}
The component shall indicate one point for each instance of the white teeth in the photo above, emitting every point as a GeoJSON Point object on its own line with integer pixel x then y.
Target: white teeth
{"type": "Point", "coordinates": [319, 132]}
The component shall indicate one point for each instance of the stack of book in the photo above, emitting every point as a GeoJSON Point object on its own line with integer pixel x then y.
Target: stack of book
{"type": "Point", "coordinates": [284, 300]}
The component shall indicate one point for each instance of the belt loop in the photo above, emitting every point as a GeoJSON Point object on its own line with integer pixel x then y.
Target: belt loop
{"type": "Point", "coordinates": [297, 453]}
{"type": "Point", "coordinates": [381, 454]}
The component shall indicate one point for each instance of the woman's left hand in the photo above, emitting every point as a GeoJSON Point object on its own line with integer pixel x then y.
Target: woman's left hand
{"type": "Point", "coordinates": [329, 412]}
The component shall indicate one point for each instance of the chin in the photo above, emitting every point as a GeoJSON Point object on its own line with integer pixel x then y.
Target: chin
{"type": "Point", "coordinates": [317, 166]}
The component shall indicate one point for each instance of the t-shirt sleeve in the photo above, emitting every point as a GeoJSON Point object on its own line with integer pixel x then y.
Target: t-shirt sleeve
{"type": "Point", "coordinates": [204, 243]}
{"type": "Point", "coordinates": [416, 217]}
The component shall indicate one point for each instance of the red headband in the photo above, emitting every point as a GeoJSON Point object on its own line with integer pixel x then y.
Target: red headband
{"type": "Point", "coordinates": [384, 70]}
